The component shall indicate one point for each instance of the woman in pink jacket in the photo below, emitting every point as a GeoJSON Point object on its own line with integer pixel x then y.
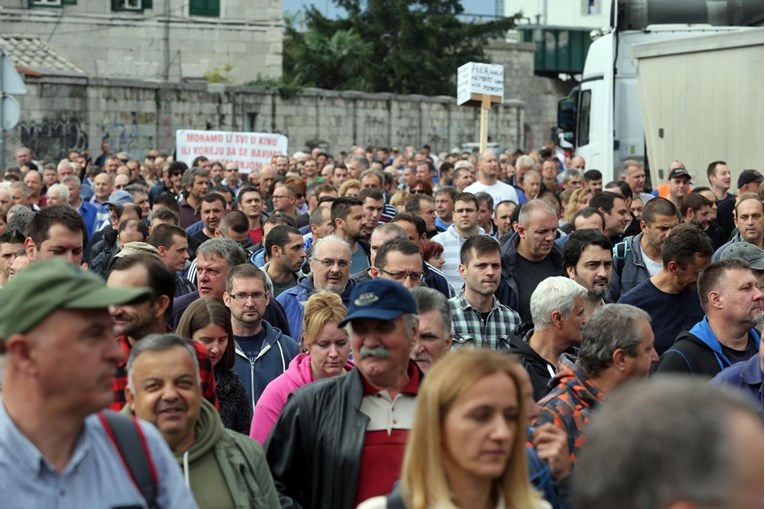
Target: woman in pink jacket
{"type": "Point", "coordinates": [325, 351]}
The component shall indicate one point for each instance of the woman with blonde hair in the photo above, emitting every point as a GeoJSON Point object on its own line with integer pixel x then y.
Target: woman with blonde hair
{"type": "Point", "coordinates": [350, 187]}
{"type": "Point", "coordinates": [579, 200]}
{"type": "Point", "coordinates": [398, 200]}
{"type": "Point", "coordinates": [208, 322]}
{"type": "Point", "coordinates": [467, 446]}
{"type": "Point", "coordinates": [325, 349]}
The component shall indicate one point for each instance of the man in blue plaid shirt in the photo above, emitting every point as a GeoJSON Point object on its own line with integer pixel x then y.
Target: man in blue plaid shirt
{"type": "Point", "coordinates": [478, 318]}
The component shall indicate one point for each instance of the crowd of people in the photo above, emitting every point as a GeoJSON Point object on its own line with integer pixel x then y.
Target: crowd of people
{"type": "Point", "coordinates": [380, 328]}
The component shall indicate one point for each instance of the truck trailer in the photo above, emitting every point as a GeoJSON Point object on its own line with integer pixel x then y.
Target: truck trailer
{"type": "Point", "coordinates": [602, 118]}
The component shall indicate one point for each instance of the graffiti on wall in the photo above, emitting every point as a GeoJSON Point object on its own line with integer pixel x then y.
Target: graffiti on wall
{"type": "Point", "coordinates": [51, 140]}
{"type": "Point", "coordinates": [124, 137]}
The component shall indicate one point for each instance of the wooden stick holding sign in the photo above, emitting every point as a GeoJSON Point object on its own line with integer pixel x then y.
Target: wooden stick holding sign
{"type": "Point", "coordinates": [481, 85]}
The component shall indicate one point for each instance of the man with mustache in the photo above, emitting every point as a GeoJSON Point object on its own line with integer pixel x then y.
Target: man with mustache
{"type": "Point", "coordinates": [733, 304]}
{"type": "Point", "coordinates": [587, 258]}
{"type": "Point", "coordinates": [342, 441]}
{"type": "Point", "coordinates": [220, 466]}
{"type": "Point", "coordinates": [478, 318]}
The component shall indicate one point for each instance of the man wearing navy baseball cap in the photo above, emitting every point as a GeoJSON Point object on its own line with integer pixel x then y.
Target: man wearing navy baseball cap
{"type": "Point", "coordinates": [350, 432]}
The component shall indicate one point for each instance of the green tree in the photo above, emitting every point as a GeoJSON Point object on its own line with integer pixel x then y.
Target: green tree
{"type": "Point", "coordinates": [400, 46]}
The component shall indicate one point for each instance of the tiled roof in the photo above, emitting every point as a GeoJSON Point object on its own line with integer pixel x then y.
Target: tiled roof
{"type": "Point", "coordinates": [30, 53]}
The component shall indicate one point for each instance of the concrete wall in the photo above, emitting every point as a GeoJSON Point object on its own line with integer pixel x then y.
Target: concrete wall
{"type": "Point", "coordinates": [163, 43]}
{"type": "Point", "coordinates": [59, 114]}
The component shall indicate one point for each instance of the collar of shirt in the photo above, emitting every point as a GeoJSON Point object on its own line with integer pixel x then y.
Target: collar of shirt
{"type": "Point", "coordinates": [412, 386]}
{"type": "Point", "coordinates": [465, 305]}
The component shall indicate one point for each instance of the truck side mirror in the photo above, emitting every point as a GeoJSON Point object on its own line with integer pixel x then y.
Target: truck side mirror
{"type": "Point", "coordinates": [567, 107]}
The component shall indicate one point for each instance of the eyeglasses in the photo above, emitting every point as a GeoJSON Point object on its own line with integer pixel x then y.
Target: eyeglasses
{"type": "Point", "coordinates": [244, 297]}
{"type": "Point", "coordinates": [329, 262]}
{"type": "Point", "coordinates": [400, 276]}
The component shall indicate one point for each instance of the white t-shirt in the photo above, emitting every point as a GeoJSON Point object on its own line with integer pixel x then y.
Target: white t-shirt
{"type": "Point", "coordinates": [652, 266]}
{"type": "Point", "coordinates": [498, 191]}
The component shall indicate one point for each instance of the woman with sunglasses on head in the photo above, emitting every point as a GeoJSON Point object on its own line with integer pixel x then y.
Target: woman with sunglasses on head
{"type": "Point", "coordinates": [467, 446]}
{"type": "Point", "coordinates": [324, 353]}
{"type": "Point", "coordinates": [208, 322]}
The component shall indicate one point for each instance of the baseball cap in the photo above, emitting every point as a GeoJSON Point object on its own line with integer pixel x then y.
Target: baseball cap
{"type": "Point", "coordinates": [132, 248]}
{"type": "Point", "coordinates": [49, 285]}
{"type": "Point", "coordinates": [383, 299]}
{"type": "Point", "coordinates": [750, 253]}
{"type": "Point", "coordinates": [749, 176]}
{"type": "Point", "coordinates": [120, 197]}
{"type": "Point", "coordinates": [679, 172]}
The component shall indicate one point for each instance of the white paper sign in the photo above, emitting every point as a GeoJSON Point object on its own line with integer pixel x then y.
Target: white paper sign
{"type": "Point", "coordinates": [249, 151]}
{"type": "Point", "coordinates": [477, 78]}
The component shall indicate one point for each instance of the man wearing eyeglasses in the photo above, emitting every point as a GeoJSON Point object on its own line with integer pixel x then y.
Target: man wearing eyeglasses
{"type": "Point", "coordinates": [285, 200]}
{"type": "Point", "coordinates": [330, 271]}
{"type": "Point", "coordinates": [399, 260]}
{"type": "Point", "coordinates": [263, 352]}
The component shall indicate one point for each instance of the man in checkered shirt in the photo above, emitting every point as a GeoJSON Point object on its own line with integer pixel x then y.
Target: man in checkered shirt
{"type": "Point", "coordinates": [478, 318]}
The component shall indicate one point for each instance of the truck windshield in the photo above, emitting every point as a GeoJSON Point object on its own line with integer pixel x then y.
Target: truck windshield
{"type": "Point", "coordinates": [638, 14]}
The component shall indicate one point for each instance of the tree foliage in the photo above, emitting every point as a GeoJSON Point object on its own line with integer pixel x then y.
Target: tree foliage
{"type": "Point", "coordinates": [399, 46]}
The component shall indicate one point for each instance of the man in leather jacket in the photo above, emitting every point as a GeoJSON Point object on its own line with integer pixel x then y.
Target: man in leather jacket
{"type": "Point", "coordinates": [341, 441]}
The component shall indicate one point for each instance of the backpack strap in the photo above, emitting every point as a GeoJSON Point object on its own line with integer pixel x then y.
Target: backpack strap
{"type": "Point", "coordinates": [620, 254]}
{"type": "Point", "coordinates": [128, 438]}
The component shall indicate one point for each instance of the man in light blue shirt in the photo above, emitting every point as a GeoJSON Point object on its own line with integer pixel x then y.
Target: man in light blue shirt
{"type": "Point", "coordinates": [59, 362]}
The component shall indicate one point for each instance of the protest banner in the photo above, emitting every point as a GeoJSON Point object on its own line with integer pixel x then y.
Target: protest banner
{"type": "Point", "coordinates": [249, 151]}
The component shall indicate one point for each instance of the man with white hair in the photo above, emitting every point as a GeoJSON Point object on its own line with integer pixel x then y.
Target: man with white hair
{"type": "Point", "coordinates": [434, 337]}
{"type": "Point", "coordinates": [558, 314]}
{"type": "Point", "coordinates": [633, 173]}
{"type": "Point", "coordinates": [87, 210]}
{"type": "Point", "coordinates": [523, 165]}
{"type": "Point", "coordinates": [58, 194]}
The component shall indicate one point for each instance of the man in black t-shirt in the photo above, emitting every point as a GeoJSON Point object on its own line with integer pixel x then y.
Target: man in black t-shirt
{"type": "Point", "coordinates": [529, 256]}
